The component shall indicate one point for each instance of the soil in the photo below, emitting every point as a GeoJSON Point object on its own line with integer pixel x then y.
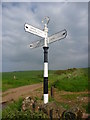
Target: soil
{"type": "Point", "coordinates": [36, 90]}
{"type": "Point", "coordinates": [15, 93]}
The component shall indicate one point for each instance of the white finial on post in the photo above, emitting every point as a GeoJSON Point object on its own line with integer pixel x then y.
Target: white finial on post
{"type": "Point", "coordinates": [46, 21]}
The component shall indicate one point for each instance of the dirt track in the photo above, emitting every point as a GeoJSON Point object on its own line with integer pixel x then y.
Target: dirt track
{"type": "Point", "coordinates": [15, 93]}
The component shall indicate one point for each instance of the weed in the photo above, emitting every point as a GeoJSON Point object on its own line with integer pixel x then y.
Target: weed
{"type": "Point", "coordinates": [14, 112]}
{"type": "Point", "coordinates": [87, 107]}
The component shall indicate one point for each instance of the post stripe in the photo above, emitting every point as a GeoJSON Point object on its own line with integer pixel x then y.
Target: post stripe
{"type": "Point", "coordinates": [45, 85]}
{"type": "Point", "coordinates": [45, 54]}
{"type": "Point", "coordinates": [45, 98]}
{"type": "Point", "coordinates": [45, 69]}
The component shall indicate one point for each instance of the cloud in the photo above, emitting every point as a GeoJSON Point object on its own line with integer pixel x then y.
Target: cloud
{"type": "Point", "coordinates": [70, 52]}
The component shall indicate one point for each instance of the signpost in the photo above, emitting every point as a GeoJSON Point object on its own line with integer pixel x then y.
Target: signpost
{"type": "Point", "coordinates": [44, 42]}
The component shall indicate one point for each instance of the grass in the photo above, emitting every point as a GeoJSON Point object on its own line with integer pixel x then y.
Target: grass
{"type": "Point", "coordinates": [11, 108]}
{"type": "Point", "coordinates": [65, 105]}
{"type": "Point", "coordinates": [73, 80]}
{"type": "Point", "coordinates": [86, 107]}
{"type": "Point", "coordinates": [73, 96]}
{"type": "Point", "coordinates": [22, 78]}
{"type": "Point", "coordinates": [61, 104]}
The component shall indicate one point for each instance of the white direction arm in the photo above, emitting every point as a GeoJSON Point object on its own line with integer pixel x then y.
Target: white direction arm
{"type": "Point", "coordinates": [37, 43]}
{"type": "Point", "coordinates": [34, 30]}
{"type": "Point", "coordinates": [58, 36]}
{"type": "Point", "coordinates": [51, 39]}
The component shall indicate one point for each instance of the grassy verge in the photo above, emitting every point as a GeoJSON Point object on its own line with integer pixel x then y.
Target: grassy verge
{"type": "Point", "coordinates": [72, 80]}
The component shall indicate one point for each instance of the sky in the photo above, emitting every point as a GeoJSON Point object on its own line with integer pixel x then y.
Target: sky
{"type": "Point", "coordinates": [45, 0]}
{"type": "Point", "coordinates": [67, 53]}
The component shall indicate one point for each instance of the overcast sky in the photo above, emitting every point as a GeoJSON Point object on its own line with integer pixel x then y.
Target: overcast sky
{"type": "Point", "coordinates": [67, 53]}
{"type": "Point", "coordinates": [45, 0]}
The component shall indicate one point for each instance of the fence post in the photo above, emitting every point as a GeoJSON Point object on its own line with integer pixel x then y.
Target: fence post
{"type": "Point", "coordinates": [52, 91]}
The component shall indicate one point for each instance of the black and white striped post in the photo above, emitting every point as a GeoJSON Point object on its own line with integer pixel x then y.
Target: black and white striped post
{"type": "Point", "coordinates": [45, 81]}
{"type": "Point", "coordinates": [45, 85]}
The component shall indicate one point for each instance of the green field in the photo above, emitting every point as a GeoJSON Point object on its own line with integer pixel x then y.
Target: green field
{"type": "Point", "coordinates": [22, 78]}
{"type": "Point", "coordinates": [68, 80]}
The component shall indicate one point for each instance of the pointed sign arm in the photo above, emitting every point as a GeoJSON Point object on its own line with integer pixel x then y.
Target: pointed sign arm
{"type": "Point", "coordinates": [53, 38]}
{"type": "Point", "coordinates": [58, 36]}
{"type": "Point", "coordinates": [34, 30]}
{"type": "Point", "coordinates": [37, 43]}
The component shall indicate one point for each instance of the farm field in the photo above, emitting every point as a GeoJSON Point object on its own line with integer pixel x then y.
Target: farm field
{"type": "Point", "coordinates": [68, 80]}
{"type": "Point", "coordinates": [70, 89]}
{"type": "Point", "coordinates": [22, 78]}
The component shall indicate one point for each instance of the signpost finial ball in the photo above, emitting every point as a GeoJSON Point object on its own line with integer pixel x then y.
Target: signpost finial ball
{"type": "Point", "coordinates": [46, 20]}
